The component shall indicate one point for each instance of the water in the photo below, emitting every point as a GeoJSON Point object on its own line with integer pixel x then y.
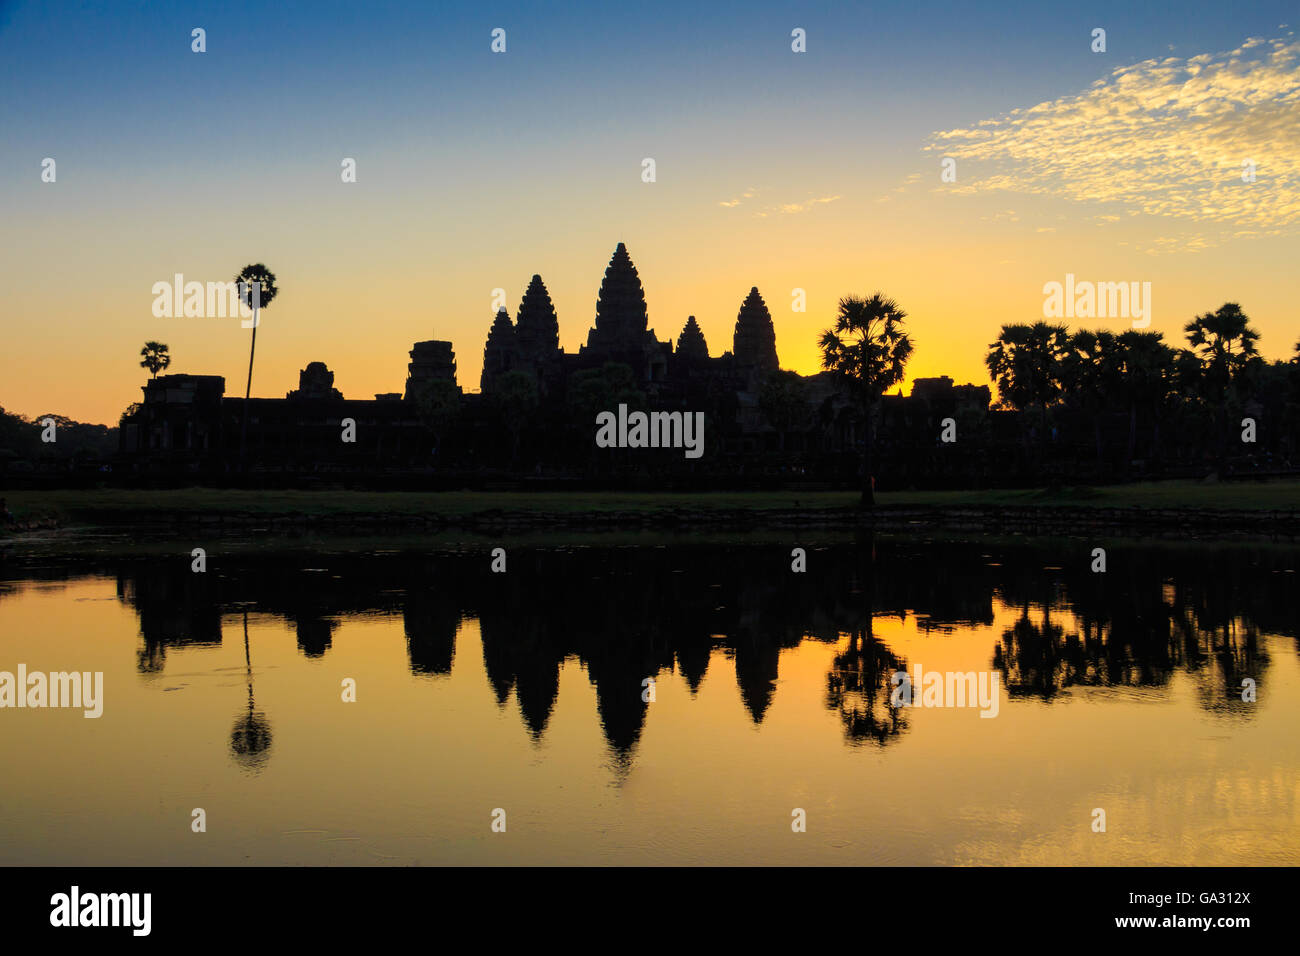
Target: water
{"type": "Point", "coordinates": [523, 691]}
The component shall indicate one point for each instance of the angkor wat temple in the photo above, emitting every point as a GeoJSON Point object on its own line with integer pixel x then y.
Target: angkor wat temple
{"type": "Point", "coordinates": [534, 414]}
{"type": "Point", "coordinates": [621, 335]}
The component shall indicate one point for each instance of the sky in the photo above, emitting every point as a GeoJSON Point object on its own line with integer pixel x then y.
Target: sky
{"type": "Point", "coordinates": [816, 170]}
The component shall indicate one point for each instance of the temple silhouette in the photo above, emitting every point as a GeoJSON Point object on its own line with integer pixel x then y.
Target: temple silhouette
{"type": "Point", "coordinates": [1070, 414]}
{"type": "Point", "coordinates": [534, 411]}
{"type": "Point", "coordinates": [621, 335]}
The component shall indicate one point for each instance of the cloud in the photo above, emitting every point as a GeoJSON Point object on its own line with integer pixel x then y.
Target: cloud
{"type": "Point", "coordinates": [1004, 215]}
{"type": "Point", "coordinates": [747, 194]}
{"type": "Point", "coordinates": [795, 207]}
{"type": "Point", "coordinates": [789, 208]}
{"type": "Point", "coordinates": [1161, 245]}
{"type": "Point", "coordinates": [1164, 137]}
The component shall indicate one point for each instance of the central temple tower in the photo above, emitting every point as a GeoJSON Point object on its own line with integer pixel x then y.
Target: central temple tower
{"type": "Point", "coordinates": [621, 318]}
{"type": "Point", "coordinates": [620, 333]}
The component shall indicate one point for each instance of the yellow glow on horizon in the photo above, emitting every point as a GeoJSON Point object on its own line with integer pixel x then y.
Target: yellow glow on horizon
{"type": "Point", "coordinates": [73, 345]}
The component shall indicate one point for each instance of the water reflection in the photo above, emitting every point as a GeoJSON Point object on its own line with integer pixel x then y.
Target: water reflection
{"type": "Point", "coordinates": [250, 740]}
{"type": "Point", "coordinates": [629, 613]}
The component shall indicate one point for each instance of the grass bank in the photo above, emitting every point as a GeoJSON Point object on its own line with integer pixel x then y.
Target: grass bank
{"type": "Point", "coordinates": [125, 506]}
{"type": "Point", "coordinates": [1179, 509]}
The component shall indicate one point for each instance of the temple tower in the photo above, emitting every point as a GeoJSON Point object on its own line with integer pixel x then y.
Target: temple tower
{"type": "Point", "coordinates": [430, 360]}
{"type": "Point", "coordinates": [537, 328]}
{"type": "Point", "coordinates": [754, 343]}
{"type": "Point", "coordinates": [501, 353]}
{"type": "Point", "coordinates": [316, 381]}
{"type": "Point", "coordinates": [690, 344]}
{"type": "Point", "coordinates": [621, 318]}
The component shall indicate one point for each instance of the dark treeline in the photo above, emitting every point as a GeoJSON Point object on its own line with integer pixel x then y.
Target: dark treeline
{"type": "Point", "coordinates": [635, 612]}
{"type": "Point", "coordinates": [1115, 405]}
{"type": "Point", "coordinates": [77, 445]}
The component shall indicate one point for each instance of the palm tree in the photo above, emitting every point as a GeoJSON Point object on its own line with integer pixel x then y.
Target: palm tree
{"type": "Point", "coordinates": [1224, 342]}
{"type": "Point", "coordinates": [155, 358]}
{"type": "Point", "coordinates": [259, 276]}
{"type": "Point", "coordinates": [1026, 365]}
{"type": "Point", "coordinates": [1224, 345]}
{"type": "Point", "coordinates": [868, 350]}
{"type": "Point", "coordinates": [1088, 374]}
{"type": "Point", "coordinates": [1144, 376]}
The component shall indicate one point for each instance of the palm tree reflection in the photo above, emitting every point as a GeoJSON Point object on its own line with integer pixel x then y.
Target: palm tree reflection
{"type": "Point", "coordinates": [859, 687]}
{"type": "Point", "coordinates": [250, 740]}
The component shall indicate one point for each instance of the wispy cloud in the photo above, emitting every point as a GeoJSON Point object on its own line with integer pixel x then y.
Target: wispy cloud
{"type": "Point", "coordinates": [1003, 215]}
{"type": "Point", "coordinates": [794, 207]}
{"type": "Point", "coordinates": [788, 208]}
{"type": "Point", "coordinates": [747, 194]}
{"type": "Point", "coordinates": [1164, 137]}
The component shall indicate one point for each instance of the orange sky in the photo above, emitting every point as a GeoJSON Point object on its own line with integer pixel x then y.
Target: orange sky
{"type": "Point", "coordinates": [1110, 168]}
{"type": "Point", "coordinates": [959, 276]}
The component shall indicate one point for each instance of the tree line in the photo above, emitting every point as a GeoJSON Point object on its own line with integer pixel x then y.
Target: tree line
{"type": "Point", "coordinates": [1203, 402]}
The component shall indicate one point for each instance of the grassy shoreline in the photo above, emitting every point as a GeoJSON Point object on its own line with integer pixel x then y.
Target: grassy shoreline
{"type": "Point", "coordinates": [116, 506]}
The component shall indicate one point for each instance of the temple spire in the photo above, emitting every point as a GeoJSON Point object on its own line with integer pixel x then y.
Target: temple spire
{"type": "Point", "coordinates": [501, 353]}
{"type": "Point", "coordinates": [754, 343]}
{"type": "Point", "coordinates": [537, 328]}
{"type": "Point", "coordinates": [621, 317]}
{"type": "Point", "coordinates": [691, 344]}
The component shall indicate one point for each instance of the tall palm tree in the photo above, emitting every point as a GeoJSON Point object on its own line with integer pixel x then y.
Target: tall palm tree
{"type": "Point", "coordinates": [868, 350]}
{"type": "Point", "coordinates": [1224, 345]}
{"type": "Point", "coordinates": [1145, 376]}
{"type": "Point", "coordinates": [1025, 362]}
{"type": "Point", "coordinates": [1089, 374]}
{"type": "Point", "coordinates": [155, 358]}
{"type": "Point", "coordinates": [1224, 342]}
{"type": "Point", "coordinates": [256, 289]}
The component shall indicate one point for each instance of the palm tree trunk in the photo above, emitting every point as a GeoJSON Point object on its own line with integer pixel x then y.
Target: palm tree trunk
{"type": "Point", "coordinates": [248, 391]}
{"type": "Point", "coordinates": [1096, 437]}
{"type": "Point", "coordinates": [868, 485]}
{"type": "Point", "coordinates": [1042, 440]}
{"type": "Point", "coordinates": [1155, 434]}
{"type": "Point", "coordinates": [1132, 438]}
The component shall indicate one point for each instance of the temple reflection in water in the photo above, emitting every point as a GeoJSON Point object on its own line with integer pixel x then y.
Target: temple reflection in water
{"type": "Point", "coordinates": [628, 613]}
